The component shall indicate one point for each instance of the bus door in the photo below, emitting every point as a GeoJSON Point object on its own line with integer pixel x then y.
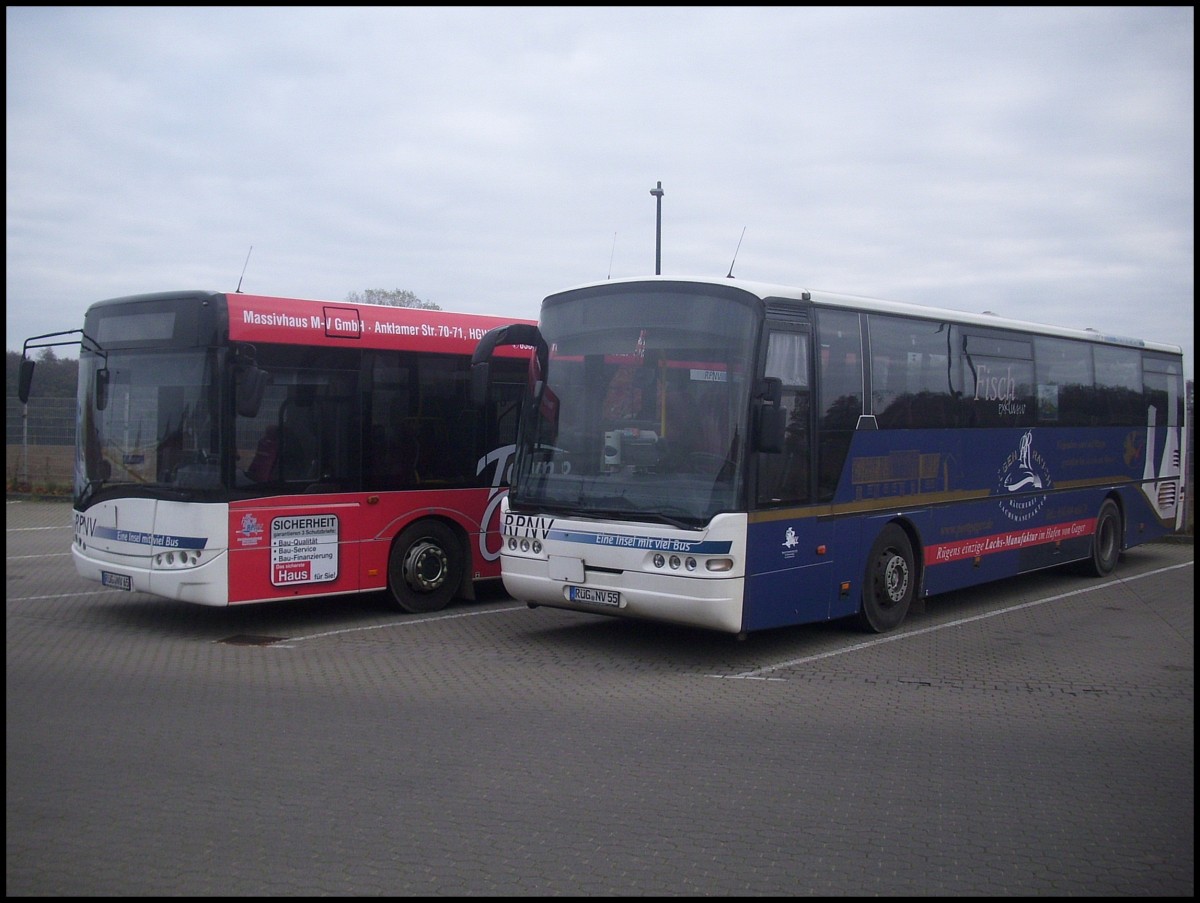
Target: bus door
{"type": "Point", "coordinates": [298, 519]}
{"type": "Point", "coordinates": [788, 565]}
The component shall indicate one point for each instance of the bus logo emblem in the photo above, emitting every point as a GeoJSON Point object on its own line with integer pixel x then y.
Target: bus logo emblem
{"type": "Point", "coordinates": [1023, 469]}
{"type": "Point", "coordinates": [250, 533]}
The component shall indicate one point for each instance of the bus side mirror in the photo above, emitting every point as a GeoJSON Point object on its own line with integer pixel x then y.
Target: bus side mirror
{"type": "Point", "coordinates": [25, 374]}
{"type": "Point", "coordinates": [251, 384]}
{"type": "Point", "coordinates": [770, 390]}
{"type": "Point", "coordinates": [25, 379]}
{"type": "Point", "coordinates": [102, 377]}
{"type": "Point", "coordinates": [771, 418]}
{"type": "Point", "coordinates": [512, 334]}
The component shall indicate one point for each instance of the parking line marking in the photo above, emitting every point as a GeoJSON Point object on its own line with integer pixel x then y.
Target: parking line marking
{"type": "Point", "coordinates": [758, 672]}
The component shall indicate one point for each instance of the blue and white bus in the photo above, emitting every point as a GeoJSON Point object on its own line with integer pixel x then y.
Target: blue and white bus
{"type": "Point", "coordinates": [739, 456]}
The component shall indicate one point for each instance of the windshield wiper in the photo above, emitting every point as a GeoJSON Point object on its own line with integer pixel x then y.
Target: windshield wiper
{"type": "Point", "coordinates": [646, 514]}
{"type": "Point", "coordinates": [92, 487]}
{"type": "Point", "coordinates": [689, 524]}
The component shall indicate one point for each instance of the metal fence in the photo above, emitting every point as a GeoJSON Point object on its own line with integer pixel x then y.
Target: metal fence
{"type": "Point", "coordinates": [39, 450]}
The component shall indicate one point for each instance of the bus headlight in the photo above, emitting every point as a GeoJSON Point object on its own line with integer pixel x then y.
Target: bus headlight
{"type": "Point", "coordinates": [176, 559]}
{"type": "Point", "coordinates": [689, 564]}
{"type": "Point", "coordinates": [524, 544]}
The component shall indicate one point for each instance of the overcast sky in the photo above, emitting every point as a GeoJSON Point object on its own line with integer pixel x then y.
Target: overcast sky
{"type": "Point", "coordinates": [1035, 162]}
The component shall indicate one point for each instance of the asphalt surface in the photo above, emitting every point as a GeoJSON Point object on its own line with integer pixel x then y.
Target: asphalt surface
{"type": "Point", "coordinates": [1034, 737]}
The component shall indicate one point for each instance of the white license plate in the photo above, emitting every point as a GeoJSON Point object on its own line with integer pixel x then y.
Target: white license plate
{"type": "Point", "coordinates": [116, 581]}
{"type": "Point", "coordinates": [595, 596]}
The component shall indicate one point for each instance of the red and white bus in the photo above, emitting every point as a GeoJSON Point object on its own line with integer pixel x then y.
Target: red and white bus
{"type": "Point", "coordinates": [234, 448]}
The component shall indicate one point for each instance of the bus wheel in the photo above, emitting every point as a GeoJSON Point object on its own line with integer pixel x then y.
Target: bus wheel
{"type": "Point", "coordinates": [890, 582]}
{"type": "Point", "coordinates": [1106, 541]}
{"type": "Point", "coordinates": [425, 567]}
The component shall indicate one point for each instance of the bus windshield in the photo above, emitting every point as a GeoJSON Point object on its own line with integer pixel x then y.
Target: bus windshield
{"type": "Point", "coordinates": [641, 412]}
{"type": "Point", "coordinates": [149, 420]}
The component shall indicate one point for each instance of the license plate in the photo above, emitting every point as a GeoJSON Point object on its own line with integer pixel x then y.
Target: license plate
{"type": "Point", "coordinates": [595, 596]}
{"type": "Point", "coordinates": [116, 581]}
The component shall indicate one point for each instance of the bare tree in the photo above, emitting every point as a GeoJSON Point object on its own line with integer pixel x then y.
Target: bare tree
{"type": "Point", "coordinates": [395, 298]}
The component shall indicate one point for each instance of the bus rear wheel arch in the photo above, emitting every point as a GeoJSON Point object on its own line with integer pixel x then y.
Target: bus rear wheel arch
{"type": "Point", "coordinates": [425, 567]}
{"type": "Point", "coordinates": [890, 581]}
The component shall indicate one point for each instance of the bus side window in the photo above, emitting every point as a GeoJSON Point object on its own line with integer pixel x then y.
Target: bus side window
{"type": "Point", "coordinates": [266, 453]}
{"type": "Point", "coordinates": [1163, 390]}
{"type": "Point", "coordinates": [913, 373]}
{"type": "Point", "coordinates": [506, 394]}
{"type": "Point", "coordinates": [298, 454]}
{"type": "Point", "coordinates": [1064, 382]}
{"type": "Point", "coordinates": [841, 395]}
{"type": "Point", "coordinates": [394, 457]}
{"type": "Point", "coordinates": [1119, 385]}
{"type": "Point", "coordinates": [282, 453]}
{"type": "Point", "coordinates": [998, 379]}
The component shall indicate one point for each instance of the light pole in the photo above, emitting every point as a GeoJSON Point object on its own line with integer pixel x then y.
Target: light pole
{"type": "Point", "coordinates": [658, 195]}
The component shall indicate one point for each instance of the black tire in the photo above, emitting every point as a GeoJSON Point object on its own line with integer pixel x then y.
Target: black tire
{"type": "Point", "coordinates": [890, 582]}
{"type": "Point", "coordinates": [1106, 541]}
{"type": "Point", "coordinates": [425, 567]}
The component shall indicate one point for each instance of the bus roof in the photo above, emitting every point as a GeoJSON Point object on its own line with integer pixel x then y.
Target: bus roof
{"type": "Point", "coordinates": [764, 290]}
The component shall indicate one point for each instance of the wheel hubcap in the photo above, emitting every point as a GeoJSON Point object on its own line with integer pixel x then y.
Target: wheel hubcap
{"type": "Point", "coordinates": [425, 566]}
{"type": "Point", "coordinates": [895, 579]}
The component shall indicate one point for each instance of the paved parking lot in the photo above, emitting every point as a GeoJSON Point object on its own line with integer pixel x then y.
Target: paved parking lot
{"type": "Point", "coordinates": [1028, 738]}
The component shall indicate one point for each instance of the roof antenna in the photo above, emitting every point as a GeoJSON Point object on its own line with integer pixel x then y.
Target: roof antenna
{"type": "Point", "coordinates": [735, 254]}
{"type": "Point", "coordinates": [244, 265]}
{"type": "Point", "coordinates": [613, 254]}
